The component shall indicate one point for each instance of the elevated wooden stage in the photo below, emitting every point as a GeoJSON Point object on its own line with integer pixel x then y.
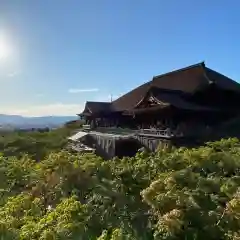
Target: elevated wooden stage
{"type": "Point", "coordinates": [109, 143]}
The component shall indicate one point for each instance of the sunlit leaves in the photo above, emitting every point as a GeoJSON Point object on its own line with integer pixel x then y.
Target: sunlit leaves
{"type": "Point", "coordinates": [173, 194]}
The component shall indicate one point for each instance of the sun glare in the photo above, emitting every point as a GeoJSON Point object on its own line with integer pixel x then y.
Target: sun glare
{"type": "Point", "coordinates": [5, 48]}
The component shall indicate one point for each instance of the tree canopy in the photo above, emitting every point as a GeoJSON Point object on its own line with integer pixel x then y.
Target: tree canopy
{"type": "Point", "coordinates": [37, 143]}
{"type": "Point", "coordinates": [172, 194]}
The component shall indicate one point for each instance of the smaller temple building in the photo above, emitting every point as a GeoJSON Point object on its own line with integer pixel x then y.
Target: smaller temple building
{"type": "Point", "coordinates": [183, 103]}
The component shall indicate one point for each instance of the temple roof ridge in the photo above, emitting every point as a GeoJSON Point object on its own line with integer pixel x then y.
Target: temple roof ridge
{"type": "Point", "coordinates": [200, 64]}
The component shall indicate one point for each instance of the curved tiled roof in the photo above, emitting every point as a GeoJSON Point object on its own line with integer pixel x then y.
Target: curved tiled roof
{"type": "Point", "coordinates": [130, 99]}
{"type": "Point", "coordinates": [176, 100]}
{"type": "Point", "coordinates": [96, 107]}
{"type": "Point", "coordinates": [166, 98]}
{"type": "Point", "coordinates": [187, 80]}
{"type": "Point", "coordinates": [222, 81]}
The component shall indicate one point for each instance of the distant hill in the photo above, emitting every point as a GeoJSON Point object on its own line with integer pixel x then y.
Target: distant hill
{"type": "Point", "coordinates": [17, 121]}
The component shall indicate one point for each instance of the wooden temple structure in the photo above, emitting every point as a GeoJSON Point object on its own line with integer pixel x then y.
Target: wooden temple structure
{"type": "Point", "coordinates": [184, 102]}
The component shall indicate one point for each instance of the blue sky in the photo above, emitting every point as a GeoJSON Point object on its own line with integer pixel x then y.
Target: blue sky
{"type": "Point", "coordinates": [65, 52]}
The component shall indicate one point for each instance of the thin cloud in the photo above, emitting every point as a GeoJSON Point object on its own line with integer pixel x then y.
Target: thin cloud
{"type": "Point", "coordinates": [79, 90]}
{"type": "Point", "coordinates": [52, 109]}
{"type": "Point", "coordinates": [39, 95]}
{"type": "Point", "coordinates": [13, 74]}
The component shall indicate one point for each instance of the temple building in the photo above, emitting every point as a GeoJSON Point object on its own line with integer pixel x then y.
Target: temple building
{"type": "Point", "coordinates": [184, 102]}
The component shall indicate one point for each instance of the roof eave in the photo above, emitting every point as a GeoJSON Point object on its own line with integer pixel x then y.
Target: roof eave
{"type": "Point", "coordinates": [179, 70]}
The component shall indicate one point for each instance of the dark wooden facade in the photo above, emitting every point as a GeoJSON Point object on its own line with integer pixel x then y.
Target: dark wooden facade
{"type": "Point", "coordinates": [195, 95]}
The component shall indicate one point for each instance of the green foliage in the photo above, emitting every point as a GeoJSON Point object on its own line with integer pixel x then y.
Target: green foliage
{"type": "Point", "coordinates": [36, 144]}
{"type": "Point", "coordinates": [172, 194]}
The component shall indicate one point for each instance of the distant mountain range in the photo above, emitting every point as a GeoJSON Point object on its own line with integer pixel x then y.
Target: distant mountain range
{"type": "Point", "coordinates": [16, 121]}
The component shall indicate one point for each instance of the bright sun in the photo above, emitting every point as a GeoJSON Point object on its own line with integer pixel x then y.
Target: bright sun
{"type": "Point", "coordinates": [5, 49]}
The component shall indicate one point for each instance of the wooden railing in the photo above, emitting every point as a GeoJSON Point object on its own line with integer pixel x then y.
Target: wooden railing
{"type": "Point", "coordinates": [168, 133]}
{"type": "Point", "coordinates": [143, 132]}
{"type": "Point", "coordinates": [86, 127]}
{"type": "Point", "coordinates": [155, 132]}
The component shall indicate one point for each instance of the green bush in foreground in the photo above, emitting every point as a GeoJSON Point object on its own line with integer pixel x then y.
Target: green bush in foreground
{"type": "Point", "coordinates": [177, 194]}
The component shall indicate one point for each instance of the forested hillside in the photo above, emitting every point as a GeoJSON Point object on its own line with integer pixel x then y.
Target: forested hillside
{"type": "Point", "coordinates": [37, 143]}
{"type": "Point", "coordinates": [173, 194]}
